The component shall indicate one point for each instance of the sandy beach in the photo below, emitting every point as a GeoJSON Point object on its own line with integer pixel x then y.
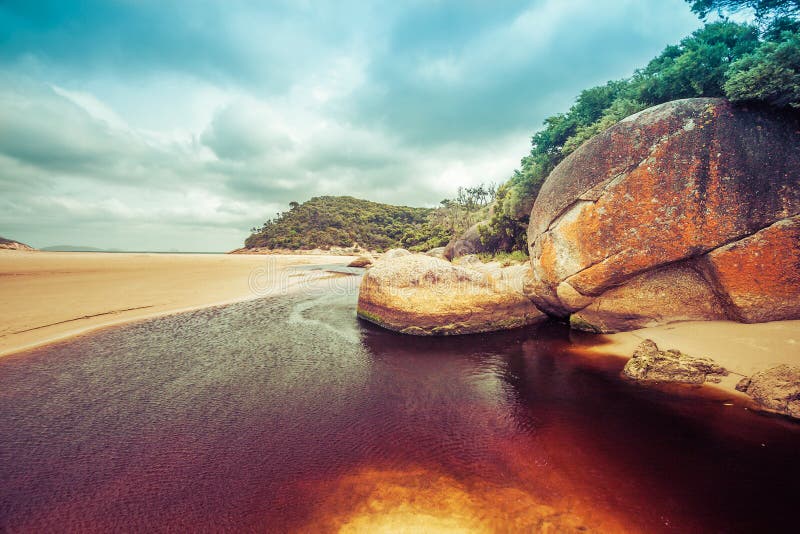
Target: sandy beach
{"type": "Point", "coordinates": [743, 349]}
{"type": "Point", "coordinates": [47, 296]}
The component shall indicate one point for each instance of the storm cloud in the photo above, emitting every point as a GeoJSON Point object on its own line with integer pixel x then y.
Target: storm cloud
{"type": "Point", "coordinates": [157, 125]}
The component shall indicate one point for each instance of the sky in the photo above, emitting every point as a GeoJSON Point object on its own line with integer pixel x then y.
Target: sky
{"type": "Point", "coordinates": [179, 125]}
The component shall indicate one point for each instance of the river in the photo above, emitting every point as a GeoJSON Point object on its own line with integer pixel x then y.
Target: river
{"type": "Point", "coordinates": [289, 414]}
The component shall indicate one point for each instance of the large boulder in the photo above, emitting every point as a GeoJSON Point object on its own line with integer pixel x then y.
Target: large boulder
{"type": "Point", "coordinates": [421, 295]}
{"type": "Point", "coordinates": [685, 211]}
{"type": "Point", "coordinates": [467, 243]}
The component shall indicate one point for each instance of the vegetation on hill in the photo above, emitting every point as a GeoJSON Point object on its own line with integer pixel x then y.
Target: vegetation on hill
{"type": "Point", "coordinates": [327, 221]}
{"type": "Point", "coordinates": [743, 62]}
{"type": "Point", "coordinates": [323, 222]}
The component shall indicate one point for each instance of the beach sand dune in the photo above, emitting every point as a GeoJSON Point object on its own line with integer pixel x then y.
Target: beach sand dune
{"type": "Point", "coordinates": [46, 296]}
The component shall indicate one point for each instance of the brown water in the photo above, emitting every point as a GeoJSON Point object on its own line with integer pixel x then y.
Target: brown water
{"type": "Point", "coordinates": [287, 414]}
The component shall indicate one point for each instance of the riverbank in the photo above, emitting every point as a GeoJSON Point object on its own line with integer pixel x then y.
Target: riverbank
{"type": "Point", "coordinates": [48, 296]}
{"type": "Point", "coordinates": [742, 349]}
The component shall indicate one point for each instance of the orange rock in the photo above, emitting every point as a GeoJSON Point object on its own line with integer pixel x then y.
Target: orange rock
{"type": "Point", "coordinates": [666, 185]}
{"type": "Point", "coordinates": [761, 273]}
{"type": "Point", "coordinates": [674, 293]}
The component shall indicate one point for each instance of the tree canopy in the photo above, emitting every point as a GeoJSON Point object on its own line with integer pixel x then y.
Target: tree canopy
{"type": "Point", "coordinates": [761, 8]}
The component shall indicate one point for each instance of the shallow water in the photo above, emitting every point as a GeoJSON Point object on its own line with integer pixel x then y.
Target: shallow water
{"type": "Point", "coordinates": [289, 414]}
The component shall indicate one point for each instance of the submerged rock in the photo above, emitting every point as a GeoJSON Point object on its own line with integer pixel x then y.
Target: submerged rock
{"type": "Point", "coordinates": [776, 389]}
{"type": "Point", "coordinates": [687, 210]}
{"type": "Point", "coordinates": [421, 295]}
{"type": "Point", "coordinates": [649, 364]}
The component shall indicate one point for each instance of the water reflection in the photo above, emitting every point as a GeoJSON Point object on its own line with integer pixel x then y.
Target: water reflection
{"type": "Point", "coordinates": [290, 414]}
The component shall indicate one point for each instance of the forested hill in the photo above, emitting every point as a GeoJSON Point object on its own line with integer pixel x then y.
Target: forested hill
{"type": "Point", "coordinates": [327, 221]}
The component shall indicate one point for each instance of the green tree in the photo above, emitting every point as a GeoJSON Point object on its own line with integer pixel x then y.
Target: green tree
{"type": "Point", "coordinates": [618, 110]}
{"type": "Point", "coordinates": [770, 74]}
{"type": "Point", "coordinates": [779, 26]}
{"type": "Point", "coordinates": [695, 67]}
{"type": "Point", "coordinates": [762, 9]}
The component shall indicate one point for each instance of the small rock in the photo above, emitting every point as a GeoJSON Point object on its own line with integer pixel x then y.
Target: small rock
{"type": "Point", "coordinates": [362, 261]}
{"type": "Point", "coordinates": [776, 389]}
{"type": "Point", "coordinates": [649, 364]}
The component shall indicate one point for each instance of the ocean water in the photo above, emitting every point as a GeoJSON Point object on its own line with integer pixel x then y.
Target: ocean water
{"type": "Point", "coordinates": [288, 414]}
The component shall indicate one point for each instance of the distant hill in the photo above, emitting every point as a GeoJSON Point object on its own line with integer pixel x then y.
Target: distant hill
{"type": "Point", "coordinates": [76, 248]}
{"type": "Point", "coordinates": [9, 244]}
{"type": "Point", "coordinates": [323, 222]}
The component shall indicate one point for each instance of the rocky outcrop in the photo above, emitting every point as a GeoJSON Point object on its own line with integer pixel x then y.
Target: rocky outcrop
{"type": "Point", "coordinates": [649, 364]}
{"type": "Point", "coordinates": [776, 390]}
{"type": "Point", "coordinates": [8, 244]}
{"type": "Point", "coordinates": [421, 295]}
{"type": "Point", "coordinates": [365, 260]}
{"type": "Point", "coordinates": [467, 243]}
{"type": "Point", "coordinates": [687, 210]}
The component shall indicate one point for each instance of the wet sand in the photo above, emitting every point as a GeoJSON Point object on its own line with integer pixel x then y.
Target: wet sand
{"type": "Point", "coordinates": [47, 296]}
{"type": "Point", "coordinates": [743, 349]}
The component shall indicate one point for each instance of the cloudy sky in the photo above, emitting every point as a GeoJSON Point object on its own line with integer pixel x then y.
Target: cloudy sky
{"type": "Point", "coordinates": [157, 124]}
